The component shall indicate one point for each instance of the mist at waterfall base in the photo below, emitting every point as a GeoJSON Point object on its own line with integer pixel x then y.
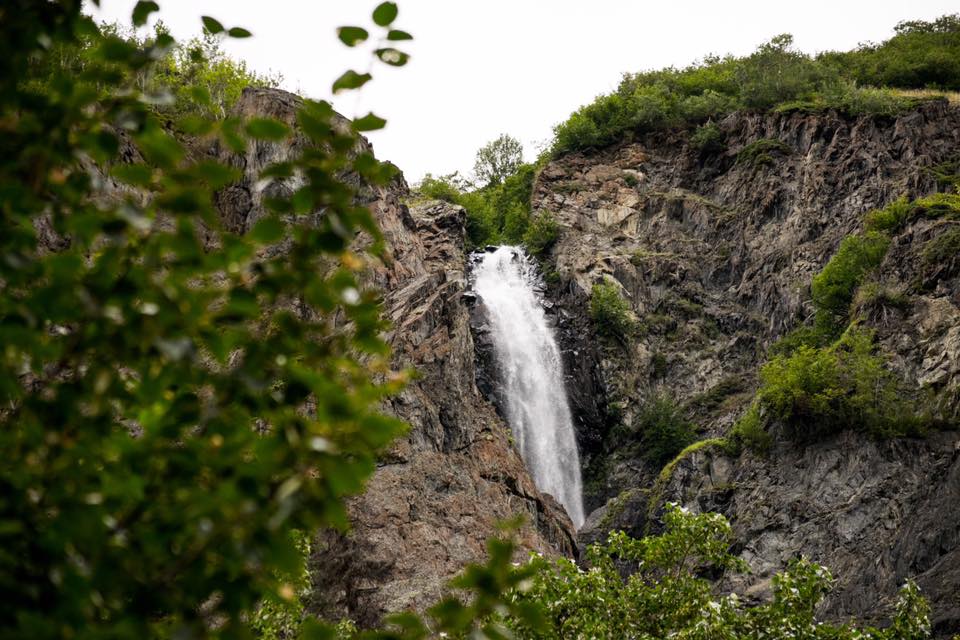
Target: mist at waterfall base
{"type": "Point", "coordinates": [531, 374]}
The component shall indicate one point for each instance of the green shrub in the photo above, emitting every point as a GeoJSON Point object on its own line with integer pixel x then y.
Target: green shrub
{"type": "Point", "coordinates": [611, 313]}
{"type": "Point", "coordinates": [762, 152]}
{"type": "Point", "coordinates": [440, 188]}
{"type": "Point", "coordinates": [857, 101]}
{"type": "Point", "coordinates": [775, 73]}
{"type": "Point", "coordinates": [832, 289]}
{"type": "Point", "coordinates": [804, 335]}
{"type": "Point", "coordinates": [708, 139]}
{"type": "Point", "coordinates": [939, 205]}
{"type": "Point", "coordinates": [891, 218]}
{"type": "Point", "coordinates": [921, 55]}
{"type": "Point", "coordinates": [497, 213]}
{"type": "Point", "coordinates": [541, 234]}
{"type": "Point", "coordinates": [662, 429]}
{"type": "Point", "coordinates": [749, 432]}
{"type": "Point", "coordinates": [947, 174]}
{"type": "Point", "coordinates": [668, 592]}
{"type": "Point", "coordinates": [817, 391]}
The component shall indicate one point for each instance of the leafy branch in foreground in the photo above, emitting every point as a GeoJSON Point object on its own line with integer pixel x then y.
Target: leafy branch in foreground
{"type": "Point", "coordinates": [175, 399]}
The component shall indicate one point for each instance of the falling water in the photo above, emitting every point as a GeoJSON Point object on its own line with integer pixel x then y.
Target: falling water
{"type": "Point", "coordinates": [531, 374]}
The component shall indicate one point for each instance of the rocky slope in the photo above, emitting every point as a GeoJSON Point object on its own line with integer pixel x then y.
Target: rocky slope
{"type": "Point", "coordinates": [715, 252]}
{"type": "Point", "coordinates": [439, 493]}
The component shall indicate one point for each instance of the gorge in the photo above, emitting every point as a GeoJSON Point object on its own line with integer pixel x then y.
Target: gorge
{"type": "Point", "coordinates": [692, 373]}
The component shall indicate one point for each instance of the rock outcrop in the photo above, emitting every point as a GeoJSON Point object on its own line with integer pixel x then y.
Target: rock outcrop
{"type": "Point", "coordinates": [715, 253]}
{"type": "Point", "coordinates": [440, 492]}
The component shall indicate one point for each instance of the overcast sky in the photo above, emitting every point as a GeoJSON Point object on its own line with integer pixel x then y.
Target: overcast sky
{"type": "Point", "coordinates": [484, 67]}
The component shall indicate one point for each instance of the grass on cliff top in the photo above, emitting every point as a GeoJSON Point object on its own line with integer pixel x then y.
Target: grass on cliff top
{"type": "Point", "coordinates": [919, 63]}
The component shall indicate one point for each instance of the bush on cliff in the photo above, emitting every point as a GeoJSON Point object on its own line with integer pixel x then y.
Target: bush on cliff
{"type": "Point", "coordinates": [833, 288]}
{"type": "Point", "coordinates": [817, 391]}
{"type": "Point", "coordinates": [542, 232]}
{"type": "Point", "coordinates": [611, 313]}
{"type": "Point", "coordinates": [498, 213]}
{"type": "Point", "coordinates": [662, 430]}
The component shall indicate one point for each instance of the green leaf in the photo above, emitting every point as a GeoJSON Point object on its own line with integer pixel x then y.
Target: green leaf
{"type": "Point", "coordinates": [369, 122]}
{"type": "Point", "coordinates": [396, 35]}
{"type": "Point", "coordinates": [216, 174]}
{"type": "Point", "coordinates": [393, 57]}
{"type": "Point", "coordinates": [351, 80]}
{"type": "Point", "coordinates": [239, 32]}
{"type": "Point", "coordinates": [142, 11]}
{"type": "Point", "coordinates": [267, 230]}
{"type": "Point", "coordinates": [138, 175]}
{"type": "Point", "coordinates": [385, 13]}
{"type": "Point", "coordinates": [211, 25]}
{"type": "Point", "coordinates": [351, 36]}
{"type": "Point", "coordinates": [267, 129]}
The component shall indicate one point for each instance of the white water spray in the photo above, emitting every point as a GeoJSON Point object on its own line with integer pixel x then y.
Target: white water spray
{"type": "Point", "coordinates": [531, 373]}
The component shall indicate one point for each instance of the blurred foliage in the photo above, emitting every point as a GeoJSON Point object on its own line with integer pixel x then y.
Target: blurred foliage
{"type": "Point", "coordinates": [191, 79]}
{"type": "Point", "coordinates": [921, 55]}
{"type": "Point", "coordinates": [176, 399]}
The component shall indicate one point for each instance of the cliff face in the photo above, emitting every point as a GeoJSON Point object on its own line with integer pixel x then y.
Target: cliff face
{"type": "Point", "coordinates": [715, 252]}
{"type": "Point", "coordinates": [440, 492]}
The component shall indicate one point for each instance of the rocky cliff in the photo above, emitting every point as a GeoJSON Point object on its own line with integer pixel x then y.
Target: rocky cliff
{"type": "Point", "coordinates": [440, 492]}
{"type": "Point", "coordinates": [715, 250]}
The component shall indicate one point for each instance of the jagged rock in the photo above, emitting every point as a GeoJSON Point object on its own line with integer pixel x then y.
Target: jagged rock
{"type": "Point", "coordinates": [715, 255]}
{"type": "Point", "coordinates": [440, 492]}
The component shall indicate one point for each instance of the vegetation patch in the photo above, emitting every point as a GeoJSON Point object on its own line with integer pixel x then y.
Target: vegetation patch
{"type": "Point", "coordinates": [833, 288]}
{"type": "Point", "coordinates": [710, 400]}
{"type": "Point", "coordinates": [708, 139]}
{"type": "Point", "coordinates": [667, 593]}
{"type": "Point", "coordinates": [616, 507]}
{"type": "Point", "coordinates": [866, 81]}
{"type": "Point", "coordinates": [498, 210]}
{"type": "Point", "coordinates": [762, 152]}
{"type": "Point", "coordinates": [749, 432]}
{"type": "Point", "coordinates": [611, 313]}
{"type": "Point", "coordinates": [541, 234]}
{"type": "Point", "coordinates": [818, 391]}
{"type": "Point", "coordinates": [662, 429]}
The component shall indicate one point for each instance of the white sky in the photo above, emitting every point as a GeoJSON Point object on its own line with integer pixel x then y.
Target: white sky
{"type": "Point", "coordinates": [484, 67]}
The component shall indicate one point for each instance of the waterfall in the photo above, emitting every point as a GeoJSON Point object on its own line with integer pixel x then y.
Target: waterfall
{"type": "Point", "coordinates": [531, 374]}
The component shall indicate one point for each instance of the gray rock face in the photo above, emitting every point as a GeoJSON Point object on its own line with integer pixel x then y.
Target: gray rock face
{"type": "Point", "coordinates": [715, 254]}
{"type": "Point", "coordinates": [439, 493]}
{"type": "Point", "coordinates": [875, 513]}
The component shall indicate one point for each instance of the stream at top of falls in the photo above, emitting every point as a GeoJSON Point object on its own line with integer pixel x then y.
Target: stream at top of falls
{"type": "Point", "coordinates": [530, 374]}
